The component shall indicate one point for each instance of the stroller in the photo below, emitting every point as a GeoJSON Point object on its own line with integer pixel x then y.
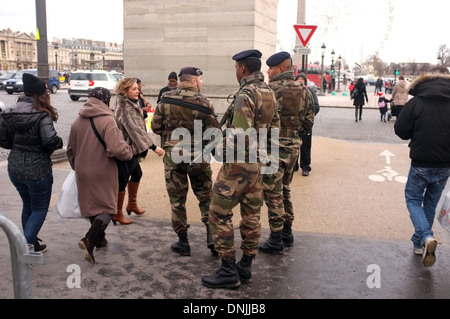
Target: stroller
{"type": "Point", "coordinates": [392, 112]}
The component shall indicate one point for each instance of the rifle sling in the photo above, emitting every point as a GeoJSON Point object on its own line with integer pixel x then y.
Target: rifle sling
{"type": "Point", "coordinates": [189, 105]}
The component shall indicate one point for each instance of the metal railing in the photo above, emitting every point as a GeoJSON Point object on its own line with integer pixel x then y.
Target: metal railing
{"type": "Point", "coordinates": [21, 259]}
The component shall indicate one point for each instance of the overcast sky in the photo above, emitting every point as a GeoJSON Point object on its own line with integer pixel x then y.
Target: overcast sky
{"type": "Point", "coordinates": [399, 30]}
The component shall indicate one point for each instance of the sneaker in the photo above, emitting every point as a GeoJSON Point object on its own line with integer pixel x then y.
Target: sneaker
{"type": "Point", "coordinates": [428, 253]}
{"type": "Point", "coordinates": [305, 173]}
{"type": "Point", "coordinates": [38, 247]}
{"type": "Point", "coordinates": [418, 250]}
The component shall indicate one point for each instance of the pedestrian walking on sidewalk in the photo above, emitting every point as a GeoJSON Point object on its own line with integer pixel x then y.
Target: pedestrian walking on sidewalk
{"type": "Point", "coordinates": [27, 129]}
{"type": "Point", "coordinates": [383, 105]}
{"type": "Point", "coordinates": [130, 121]}
{"type": "Point", "coordinates": [186, 109]}
{"type": "Point", "coordinates": [358, 97]}
{"type": "Point", "coordinates": [95, 166]}
{"type": "Point", "coordinates": [240, 183]}
{"type": "Point", "coordinates": [400, 95]}
{"type": "Point", "coordinates": [425, 121]}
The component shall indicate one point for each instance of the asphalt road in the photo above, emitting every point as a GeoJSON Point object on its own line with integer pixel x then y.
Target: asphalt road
{"type": "Point", "coordinates": [331, 122]}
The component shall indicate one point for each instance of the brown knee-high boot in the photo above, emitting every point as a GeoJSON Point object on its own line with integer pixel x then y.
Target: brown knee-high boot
{"type": "Point", "coordinates": [132, 199]}
{"type": "Point", "coordinates": [119, 217]}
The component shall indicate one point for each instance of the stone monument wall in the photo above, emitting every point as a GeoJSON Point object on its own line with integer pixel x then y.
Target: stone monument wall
{"type": "Point", "coordinates": [161, 36]}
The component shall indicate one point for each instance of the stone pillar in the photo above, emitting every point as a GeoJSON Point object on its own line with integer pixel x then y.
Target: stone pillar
{"type": "Point", "coordinates": [301, 19]}
{"type": "Point", "coordinates": [161, 36]}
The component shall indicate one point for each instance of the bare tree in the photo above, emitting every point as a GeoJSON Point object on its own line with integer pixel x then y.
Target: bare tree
{"type": "Point", "coordinates": [443, 54]}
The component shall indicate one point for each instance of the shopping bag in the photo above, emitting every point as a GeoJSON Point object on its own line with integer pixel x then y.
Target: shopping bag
{"type": "Point", "coordinates": [443, 216]}
{"type": "Point", "coordinates": [67, 204]}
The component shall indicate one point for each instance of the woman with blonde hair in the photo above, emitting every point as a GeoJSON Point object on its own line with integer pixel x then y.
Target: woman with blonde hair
{"type": "Point", "coordinates": [129, 119]}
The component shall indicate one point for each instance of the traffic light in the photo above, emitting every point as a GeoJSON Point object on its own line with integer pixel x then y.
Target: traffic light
{"type": "Point", "coordinates": [396, 72]}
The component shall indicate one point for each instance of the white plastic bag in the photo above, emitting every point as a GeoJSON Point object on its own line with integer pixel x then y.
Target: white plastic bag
{"type": "Point", "coordinates": [67, 204]}
{"type": "Point", "coordinates": [443, 217]}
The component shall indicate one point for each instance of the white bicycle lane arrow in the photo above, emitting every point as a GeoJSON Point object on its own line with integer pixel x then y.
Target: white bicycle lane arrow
{"type": "Point", "coordinates": [387, 174]}
{"type": "Point", "coordinates": [388, 156]}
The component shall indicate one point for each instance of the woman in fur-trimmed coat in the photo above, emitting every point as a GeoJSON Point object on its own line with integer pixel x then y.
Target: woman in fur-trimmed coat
{"type": "Point", "coordinates": [130, 121]}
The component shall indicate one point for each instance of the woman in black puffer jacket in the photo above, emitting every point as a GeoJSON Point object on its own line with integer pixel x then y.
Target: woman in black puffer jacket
{"type": "Point", "coordinates": [27, 130]}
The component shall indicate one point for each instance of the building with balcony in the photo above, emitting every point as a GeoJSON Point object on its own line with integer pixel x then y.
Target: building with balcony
{"type": "Point", "coordinates": [19, 51]}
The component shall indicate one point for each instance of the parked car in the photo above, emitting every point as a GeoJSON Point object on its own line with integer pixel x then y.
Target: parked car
{"type": "Point", "coordinates": [118, 75]}
{"type": "Point", "coordinates": [82, 82]}
{"type": "Point", "coordinates": [6, 76]}
{"type": "Point", "coordinates": [370, 81]}
{"type": "Point", "coordinates": [15, 84]}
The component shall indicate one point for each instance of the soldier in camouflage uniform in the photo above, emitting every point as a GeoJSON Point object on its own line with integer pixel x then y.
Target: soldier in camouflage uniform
{"type": "Point", "coordinates": [182, 109]}
{"type": "Point", "coordinates": [296, 115]}
{"type": "Point", "coordinates": [240, 183]}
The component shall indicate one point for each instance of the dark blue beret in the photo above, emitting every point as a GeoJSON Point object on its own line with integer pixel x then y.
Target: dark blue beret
{"type": "Point", "coordinates": [278, 58]}
{"type": "Point", "coordinates": [191, 71]}
{"type": "Point", "coordinates": [247, 54]}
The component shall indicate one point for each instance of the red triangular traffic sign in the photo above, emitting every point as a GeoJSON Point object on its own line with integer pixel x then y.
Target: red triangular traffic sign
{"type": "Point", "coordinates": [304, 32]}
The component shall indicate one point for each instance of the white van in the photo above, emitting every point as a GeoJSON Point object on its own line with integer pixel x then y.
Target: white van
{"type": "Point", "coordinates": [82, 82]}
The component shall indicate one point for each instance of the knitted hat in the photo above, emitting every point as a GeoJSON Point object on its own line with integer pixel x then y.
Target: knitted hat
{"type": "Point", "coordinates": [32, 84]}
{"type": "Point", "coordinates": [173, 75]}
{"type": "Point", "coordinates": [101, 94]}
{"type": "Point", "coordinates": [303, 75]}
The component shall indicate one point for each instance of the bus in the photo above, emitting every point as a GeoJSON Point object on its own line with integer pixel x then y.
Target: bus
{"type": "Point", "coordinates": [313, 73]}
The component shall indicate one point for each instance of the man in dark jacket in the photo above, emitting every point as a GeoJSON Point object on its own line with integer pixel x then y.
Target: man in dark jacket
{"type": "Point", "coordinates": [425, 120]}
{"type": "Point", "coordinates": [172, 85]}
{"type": "Point", "coordinates": [306, 136]}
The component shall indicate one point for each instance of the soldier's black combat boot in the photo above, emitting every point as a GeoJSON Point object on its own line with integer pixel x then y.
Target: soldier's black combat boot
{"type": "Point", "coordinates": [244, 268]}
{"type": "Point", "coordinates": [274, 245]}
{"type": "Point", "coordinates": [182, 245]}
{"type": "Point", "coordinates": [286, 235]}
{"type": "Point", "coordinates": [226, 277]}
{"type": "Point", "coordinates": [210, 241]}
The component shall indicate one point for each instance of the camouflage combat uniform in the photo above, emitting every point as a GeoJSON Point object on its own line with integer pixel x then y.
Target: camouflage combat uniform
{"type": "Point", "coordinates": [295, 110]}
{"type": "Point", "coordinates": [166, 119]}
{"type": "Point", "coordinates": [240, 183]}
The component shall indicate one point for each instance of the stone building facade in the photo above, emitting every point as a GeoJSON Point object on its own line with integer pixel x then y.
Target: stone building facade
{"type": "Point", "coordinates": [161, 36]}
{"type": "Point", "coordinates": [18, 51]}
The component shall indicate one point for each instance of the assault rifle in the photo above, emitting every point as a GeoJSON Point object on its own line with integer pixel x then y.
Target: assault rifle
{"type": "Point", "coordinates": [210, 148]}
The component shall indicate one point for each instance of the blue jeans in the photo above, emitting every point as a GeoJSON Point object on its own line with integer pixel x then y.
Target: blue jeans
{"type": "Point", "coordinates": [35, 196]}
{"type": "Point", "coordinates": [423, 191]}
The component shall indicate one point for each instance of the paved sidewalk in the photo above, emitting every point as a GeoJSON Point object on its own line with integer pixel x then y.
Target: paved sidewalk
{"type": "Point", "coordinates": [352, 241]}
{"type": "Point", "coordinates": [342, 99]}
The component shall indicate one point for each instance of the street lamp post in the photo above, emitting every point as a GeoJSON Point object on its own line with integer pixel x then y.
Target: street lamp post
{"type": "Point", "coordinates": [440, 59]}
{"type": "Point", "coordinates": [56, 58]}
{"type": "Point", "coordinates": [339, 73]}
{"type": "Point", "coordinates": [332, 71]}
{"type": "Point", "coordinates": [103, 63]}
{"type": "Point", "coordinates": [18, 61]}
{"type": "Point", "coordinates": [76, 59]}
{"type": "Point", "coordinates": [322, 90]}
